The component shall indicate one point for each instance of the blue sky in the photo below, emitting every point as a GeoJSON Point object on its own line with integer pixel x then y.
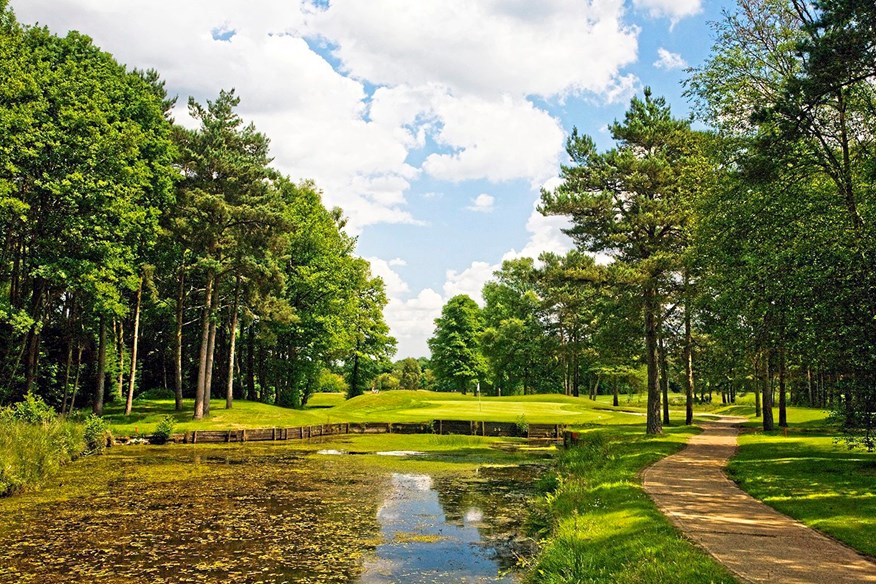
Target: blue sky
{"type": "Point", "coordinates": [432, 123]}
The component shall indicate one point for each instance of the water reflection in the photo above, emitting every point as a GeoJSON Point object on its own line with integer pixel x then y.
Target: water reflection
{"type": "Point", "coordinates": [421, 545]}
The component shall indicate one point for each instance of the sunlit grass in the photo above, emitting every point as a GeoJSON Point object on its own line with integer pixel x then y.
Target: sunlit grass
{"type": "Point", "coordinates": [814, 479]}
{"type": "Point", "coordinates": [600, 524]}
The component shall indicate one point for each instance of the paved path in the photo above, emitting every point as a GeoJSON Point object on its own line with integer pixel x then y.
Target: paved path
{"type": "Point", "coordinates": [756, 542]}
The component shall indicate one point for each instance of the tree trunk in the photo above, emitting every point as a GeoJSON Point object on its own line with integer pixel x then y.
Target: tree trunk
{"type": "Point", "coordinates": [576, 376]}
{"type": "Point", "coordinates": [206, 317]}
{"type": "Point", "coordinates": [615, 398]}
{"type": "Point", "coordinates": [76, 379]}
{"type": "Point", "coordinates": [809, 387]}
{"type": "Point", "coordinates": [133, 376]}
{"type": "Point", "coordinates": [67, 374]}
{"type": "Point", "coordinates": [119, 335]}
{"type": "Point", "coordinates": [97, 403]}
{"type": "Point", "coordinates": [757, 412]}
{"type": "Point", "coordinates": [653, 425]}
{"type": "Point", "coordinates": [32, 340]}
{"type": "Point", "coordinates": [250, 364]}
{"type": "Point", "coordinates": [211, 352]}
{"type": "Point", "coordinates": [783, 404]}
{"type": "Point", "coordinates": [688, 356]}
{"type": "Point", "coordinates": [262, 374]}
{"type": "Point", "coordinates": [178, 338]}
{"type": "Point", "coordinates": [229, 391]}
{"type": "Point", "coordinates": [354, 374]}
{"type": "Point", "coordinates": [767, 395]}
{"type": "Point", "coordinates": [664, 379]}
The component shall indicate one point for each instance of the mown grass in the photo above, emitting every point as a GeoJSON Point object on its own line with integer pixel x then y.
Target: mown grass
{"type": "Point", "coordinates": [600, 526]}
{"type": "Point", "coordinates": [244, 414]}
{"type": "Point", "coordinates": [812, 478]}
{"type": "Point", "coordinates": [390, 406]}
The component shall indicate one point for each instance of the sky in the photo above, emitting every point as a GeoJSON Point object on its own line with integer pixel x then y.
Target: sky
{"type": "Point", "coordinates": [434, 124]}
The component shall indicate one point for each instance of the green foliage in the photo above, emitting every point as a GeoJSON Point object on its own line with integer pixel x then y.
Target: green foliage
{"type": "Point", "coordinates": [408, 373]}
{"type": "Point", "coordinates": [154, 394]}
{"type": "Point", "coordinates": [521, 426]}
{"type": "Point", "coordinates": [96, 433]}
{"type": "Point", "coordinates": [386, 381]}
{"type": "Point", "coordinates": [457, 361]}
{"type": "Point", "coordinates": [164, 430]}
{"type": "Point", "coordinates": [31, 452]}
{"type": "Point", "coordinates": [31, 410]}
{"type": "Point", "coordinates": [331, 382]}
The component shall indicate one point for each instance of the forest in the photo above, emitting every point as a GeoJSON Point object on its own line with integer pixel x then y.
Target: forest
{"type": "Point", "coordinates": [138, 254]}
{"type": "Point", "coordinates": [733, 259]}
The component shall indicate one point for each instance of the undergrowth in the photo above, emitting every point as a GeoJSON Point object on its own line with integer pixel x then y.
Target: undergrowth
{"type": "Point", "coordinates": [34, 444]}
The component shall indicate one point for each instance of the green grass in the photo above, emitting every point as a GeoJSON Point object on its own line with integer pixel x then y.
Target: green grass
{"type": "Point", "coordinates": [417, 406]}
{"type": "Point", "coordinates": [29, 453]}
{"type": "Point", "coordinates": [810, 477]}
{"type": "Point", "coordinates": [244, 414]}
{"type": "Point", "coordinates": [599, 524]}
{"type": "Point", "coordinates": [389, 406]}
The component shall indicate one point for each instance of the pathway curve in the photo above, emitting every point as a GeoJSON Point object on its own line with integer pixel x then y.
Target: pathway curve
{"type": "Point", "coordinates": [753, 540]}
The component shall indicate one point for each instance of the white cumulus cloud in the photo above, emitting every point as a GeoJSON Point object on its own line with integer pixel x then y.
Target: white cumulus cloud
{"type": "Point", "coordinates": [668, 60]}
{"type": "Point", "coordinates": [483, 203]}
{"type": "Point", "coordinates": [547, 48]}
{"type": "Point", "coordinates": [672, 9]}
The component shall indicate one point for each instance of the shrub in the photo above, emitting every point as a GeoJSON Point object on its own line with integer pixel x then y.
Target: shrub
{"type": "Point", "coordinates": [156, 393]}
{"type": "Point", "coordinates": [96, 433]}
{"type": "Point", "coordinates": [521, 426]}
{"type": "Point", "coordinates": [164, 430]}
{"type": "Point", "coordinates": [32, 410]}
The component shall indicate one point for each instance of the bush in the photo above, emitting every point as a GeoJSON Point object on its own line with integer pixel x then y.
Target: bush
{"type": "Point", "coordinates": [96, 433]}
{"type": "Point", "coordinates": [156, 393]}
{"type": "Point", "coordinates": [521, 426]}
{"type": "Point", "coordinates": [164, 430]}
{"type": "Point", "coordinates": [33, 410]}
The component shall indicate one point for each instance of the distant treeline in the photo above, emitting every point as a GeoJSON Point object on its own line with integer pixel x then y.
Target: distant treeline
{"type": "Point", "coordinates": [139, 254]}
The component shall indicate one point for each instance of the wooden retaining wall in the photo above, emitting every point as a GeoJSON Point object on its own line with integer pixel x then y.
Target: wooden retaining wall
{"type": "Point", "coordinates": [469, 428]}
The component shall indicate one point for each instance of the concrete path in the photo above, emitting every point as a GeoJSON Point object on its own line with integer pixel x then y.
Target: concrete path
{"type": "Point", "coordinates": [754, 541]}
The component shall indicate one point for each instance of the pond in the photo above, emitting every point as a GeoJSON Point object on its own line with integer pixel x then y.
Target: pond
{"type": "Point", "coordinates": [276, 513]}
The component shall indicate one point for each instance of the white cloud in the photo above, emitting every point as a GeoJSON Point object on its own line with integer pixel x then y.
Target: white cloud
{"type": "Point", "coordinates": [397, 262]}
{"type": "Point", "coordinates": [672, 9]}
{"type": "Point", "coordinates": [548, 48]}
{"type": "Point", "coordinates": [622, 89]}
{"type": "Point", "coordinates": [483, 203]}
{"type": "Point", "coordinates": [469, 281]}
{"type": "Point", "coordinates": [412, 321]}
{"type": "Point", "coordinates": [668, 60]}
{"type": "Point", "coordinates": [545, 234]}
{"type": "Point", "coordinates": [395, 285]}
{"type": "Point", "coordinates": [496, 139]}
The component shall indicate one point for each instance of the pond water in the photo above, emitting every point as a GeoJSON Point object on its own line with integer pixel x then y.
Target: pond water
{"type": "Point", "coordinates": [268, 513]}
{"type": "Point", "coordinates": [423, 545]}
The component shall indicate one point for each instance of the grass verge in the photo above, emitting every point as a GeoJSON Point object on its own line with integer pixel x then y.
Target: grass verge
{"type": "Point", "coordinates": [810, 477]}
{"type": "Point", "coordinates": [599, 525]}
